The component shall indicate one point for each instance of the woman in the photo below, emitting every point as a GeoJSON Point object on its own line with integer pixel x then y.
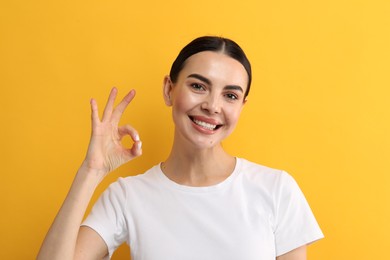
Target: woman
{"type": "Point", "coordinates": [201, 202]}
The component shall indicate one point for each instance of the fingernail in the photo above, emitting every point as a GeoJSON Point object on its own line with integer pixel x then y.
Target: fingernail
{"type": "Point", "coordinates": [139, 145]}
{"type": "Point", "coordinates": [136, 138]}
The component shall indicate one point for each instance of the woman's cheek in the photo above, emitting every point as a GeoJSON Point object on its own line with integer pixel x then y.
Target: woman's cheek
{"type": "Point", "coordinates": [187, 100]}
{"type": "Point", "coordinates": [233, 116]}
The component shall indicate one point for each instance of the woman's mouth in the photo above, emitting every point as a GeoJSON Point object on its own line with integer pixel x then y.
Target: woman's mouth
{"type": "Point", "coordinates": [205, 125]}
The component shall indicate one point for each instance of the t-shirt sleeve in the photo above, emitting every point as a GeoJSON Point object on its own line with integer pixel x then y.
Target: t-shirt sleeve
{"type": "Point", "coordinates": [107, 216]}
{"type": "Point", "coordinates": [295, 223]}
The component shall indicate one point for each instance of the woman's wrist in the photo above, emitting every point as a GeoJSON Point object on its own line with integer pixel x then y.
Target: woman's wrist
{"type": "Point", "coordinates": [91, 173]}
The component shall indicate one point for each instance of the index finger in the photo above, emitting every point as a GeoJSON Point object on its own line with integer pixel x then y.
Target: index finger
{"type": "Point", "coordinates": [120, 108]}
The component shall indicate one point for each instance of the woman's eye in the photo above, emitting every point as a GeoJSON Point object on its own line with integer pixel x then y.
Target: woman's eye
{"type": "Point", "coordinates": [197, 86]}
{"type": "Point", "coordinates": [232, 96]}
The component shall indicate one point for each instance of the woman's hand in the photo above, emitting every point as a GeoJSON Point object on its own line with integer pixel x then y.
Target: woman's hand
{"type": "Point", "coordinates": [105, 151]}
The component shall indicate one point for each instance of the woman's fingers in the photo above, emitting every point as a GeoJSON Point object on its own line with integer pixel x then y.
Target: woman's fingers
{"type": "Point", "coordinates": [110, 104]}
{"type": "Point", "coordinates": [120, 108]}
{"type": "Point", "coordinates": [110, 114]}
{"type": "Point", "coordinates": [136, 148]}
{"type": "Point", "coordinates": [128, 130]}
{"type": "Point", "coordinates": [94, 112]}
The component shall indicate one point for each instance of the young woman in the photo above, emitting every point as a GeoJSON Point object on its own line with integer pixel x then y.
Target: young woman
{"type": "Point", "coordinates": [201, 202]}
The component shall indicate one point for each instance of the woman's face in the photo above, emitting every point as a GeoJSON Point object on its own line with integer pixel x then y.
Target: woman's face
{"type": "Point", "coordinates": [207, 98]}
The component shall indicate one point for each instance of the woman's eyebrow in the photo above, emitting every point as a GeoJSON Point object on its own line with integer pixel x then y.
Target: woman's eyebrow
{"type": "Point", "coordinates": [208, 82]}
{"type": "Point", "coordinates": [200, 77]}
{"type": "Point", "coordinates": [234, 87]}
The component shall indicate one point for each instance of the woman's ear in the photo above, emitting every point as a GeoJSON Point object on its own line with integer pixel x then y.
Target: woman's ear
{"type": "Point", "coordinates": [167, 89]}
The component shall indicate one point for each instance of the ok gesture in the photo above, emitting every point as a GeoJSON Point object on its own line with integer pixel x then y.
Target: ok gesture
{"type": "Point", "coordinates": [106, 152]}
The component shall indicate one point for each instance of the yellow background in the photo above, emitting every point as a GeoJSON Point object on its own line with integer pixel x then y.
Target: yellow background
{"type": "Point", "coordinates": [318, 108]}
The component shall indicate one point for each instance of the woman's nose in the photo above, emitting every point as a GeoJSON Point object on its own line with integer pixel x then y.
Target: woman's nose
{"type": "Point", "coordinates": [212, 104]}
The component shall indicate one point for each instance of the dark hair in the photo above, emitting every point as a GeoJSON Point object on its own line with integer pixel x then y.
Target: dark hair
{"type": "Point", "coordinates": [215, 44]}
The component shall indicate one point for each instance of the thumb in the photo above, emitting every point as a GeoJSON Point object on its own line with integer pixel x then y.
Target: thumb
{"type": "Point", "coordinates": [136, 149]}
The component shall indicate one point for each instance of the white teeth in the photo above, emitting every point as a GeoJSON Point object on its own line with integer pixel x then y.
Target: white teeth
{"type": "Point", "coordinates": [205, 125]}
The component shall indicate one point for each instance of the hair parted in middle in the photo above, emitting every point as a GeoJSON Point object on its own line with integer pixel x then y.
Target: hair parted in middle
{"type": "Point", "coordinates": [215, 44]}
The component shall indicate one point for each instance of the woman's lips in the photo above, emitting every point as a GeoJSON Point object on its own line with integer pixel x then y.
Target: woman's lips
{"type": "Point", "coordinates": [206, 123]}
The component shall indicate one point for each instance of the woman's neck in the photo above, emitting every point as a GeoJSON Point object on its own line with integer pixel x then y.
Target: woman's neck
{"type": "Point", "coordinates": [198, 167]}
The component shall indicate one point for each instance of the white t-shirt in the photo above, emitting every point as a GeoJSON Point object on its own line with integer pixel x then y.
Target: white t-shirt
{"type": "Point", "coordinates": [256, 213]}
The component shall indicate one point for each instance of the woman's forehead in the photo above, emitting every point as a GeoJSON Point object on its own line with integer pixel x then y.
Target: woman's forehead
{"type": "Point", "coordinates": [215, 65]}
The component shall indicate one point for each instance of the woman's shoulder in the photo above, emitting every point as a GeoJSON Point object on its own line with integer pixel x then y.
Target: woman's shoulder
{"type": "Point", "coordinates": [144, 179]}
{"type": "Point", "coordinates": [250, 167]}
{"type": "Point", "coordinates": [262, 174]}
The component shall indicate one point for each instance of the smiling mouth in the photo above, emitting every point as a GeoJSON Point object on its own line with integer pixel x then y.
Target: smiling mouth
{"type": "Point", "coordinates": [205, 125]}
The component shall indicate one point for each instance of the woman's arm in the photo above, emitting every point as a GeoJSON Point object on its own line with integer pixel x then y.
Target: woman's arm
{"type": "Point", "coordinates": [60, 241]}
{"type": "Point", "coordinates": [65, 239]}
{"type": "Point", "coordinates": [296, 254]}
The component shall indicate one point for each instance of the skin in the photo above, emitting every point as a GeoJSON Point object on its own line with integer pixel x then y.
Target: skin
{"type": "Point", "coordinates": [65, 239]}
{"type": "Point", "coordinates": [210, 89]}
